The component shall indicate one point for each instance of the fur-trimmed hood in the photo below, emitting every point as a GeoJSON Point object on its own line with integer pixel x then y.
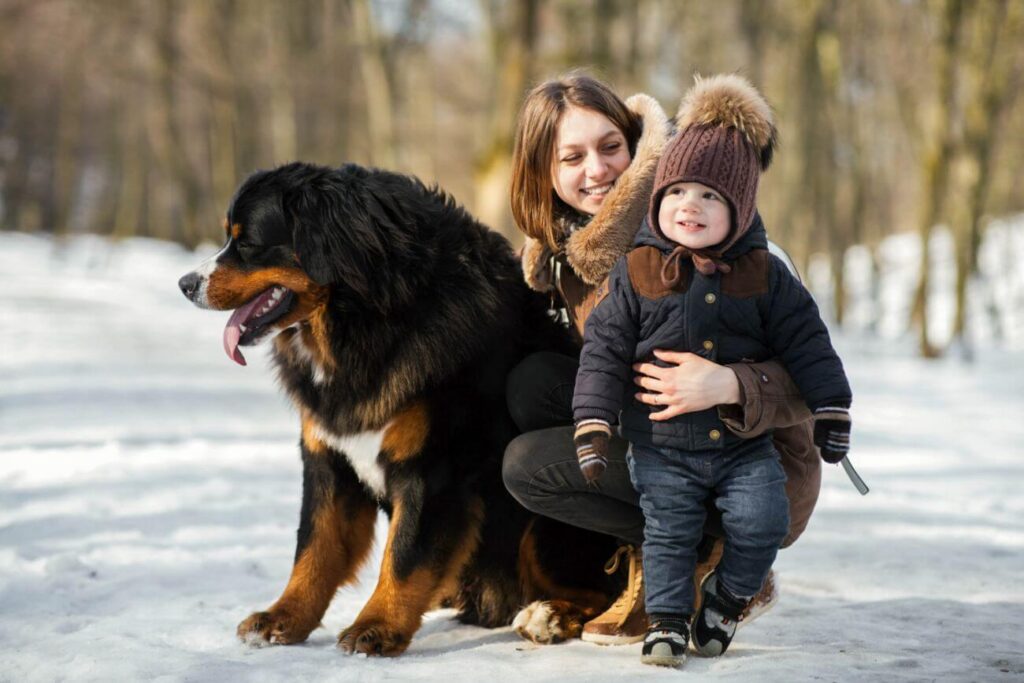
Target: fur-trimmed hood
{"type": "Point", "coordinates": [593, 249]}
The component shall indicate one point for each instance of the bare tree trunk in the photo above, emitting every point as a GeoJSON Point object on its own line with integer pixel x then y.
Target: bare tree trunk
{"type": "Point", "coordinates": [165, 133]}
{"type": "Point", "coordinates": [634, 66]}
{"type": "Point", "coordinates": [935, 166]}
{"type": "Point", "coordinates": [999, 27]}
{"type": "Point", "coordinates": [376, 86]}
{"type": "Point", "coordinates": [134, 176]}
{"type": "Point", "coordinates": [602, 18]}
{"type": "Point", "coordinates": [512, 49]}
{"type": "Point", "coordinates": [222, 102]}
{"type": "Point", "coordinates": [806, 196]}
{"type": "Point", "coordinates": [753, 19]}
{"type": "Point", "coordinates": [333, 135]}
{"type": "Point", "coordinates": [67, 154]}
{"type": "Point", "coordinates": [283, 135]}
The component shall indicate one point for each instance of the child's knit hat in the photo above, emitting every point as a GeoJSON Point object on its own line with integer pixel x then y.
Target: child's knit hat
{"type": "Point", "coordinates": [726, 138]}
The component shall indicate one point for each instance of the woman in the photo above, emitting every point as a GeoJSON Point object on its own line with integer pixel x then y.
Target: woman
{"type": "Point", "coordinates": [583, 169]}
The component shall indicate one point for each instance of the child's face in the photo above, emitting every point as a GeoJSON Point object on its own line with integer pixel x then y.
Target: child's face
{"type": "Point", "coordinates": [693, 215]}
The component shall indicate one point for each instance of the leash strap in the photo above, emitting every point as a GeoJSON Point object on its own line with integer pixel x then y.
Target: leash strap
{"type": "Point", "coordinates": [854, 477]}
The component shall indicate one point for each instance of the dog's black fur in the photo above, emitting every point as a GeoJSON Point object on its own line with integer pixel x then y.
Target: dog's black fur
{"type": "Point", "coordinates": [402, 316]}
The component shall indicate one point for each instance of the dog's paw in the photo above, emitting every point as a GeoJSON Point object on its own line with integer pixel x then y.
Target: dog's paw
{"type": "Point", "coordinates": [373, 638]}
{"type": "Point", "coordinates": [540, 622]}
{"type": "Point", "coordinates": [275, 627]}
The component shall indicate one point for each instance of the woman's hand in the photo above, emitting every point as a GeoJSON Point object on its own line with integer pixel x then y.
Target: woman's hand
{"type": "Point", "coordinates": [690, 384]}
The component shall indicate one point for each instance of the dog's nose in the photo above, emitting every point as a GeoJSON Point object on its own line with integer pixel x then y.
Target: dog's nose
{"type": "Point", "coordinates": [190, 285]}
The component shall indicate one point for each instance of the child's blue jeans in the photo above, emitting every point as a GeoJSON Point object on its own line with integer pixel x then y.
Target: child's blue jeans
{"type": "Point", "coordinates": [673, 485]}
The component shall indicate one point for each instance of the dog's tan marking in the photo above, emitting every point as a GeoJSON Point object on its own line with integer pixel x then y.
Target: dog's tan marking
{"type": "Point", "coordinates": [317, 338]}
{"type": "Point", "coordinates": [407, 433]}
{"type": "Point", "coordinates": [394, 612]}
{"type": "Point", "coordinates": [224, 226]}
{"type": "Point", "coordinates": [311, 437]}
{"type": "Point", "coordinates": [448, 586]}
{"type": "Point", "coordinates": [340, 542]}
{"type": "Point", "coordinates": [236, 230]}
{"type": "Point", "coordinates": [229, 288]}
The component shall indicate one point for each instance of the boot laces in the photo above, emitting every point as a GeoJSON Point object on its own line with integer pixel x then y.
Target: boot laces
{"type": "Point", "coordinates": [628, 597]}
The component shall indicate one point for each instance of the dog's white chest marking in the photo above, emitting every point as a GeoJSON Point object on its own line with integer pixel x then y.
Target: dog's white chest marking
{"type": "Point", "coordinates": [361, 450]}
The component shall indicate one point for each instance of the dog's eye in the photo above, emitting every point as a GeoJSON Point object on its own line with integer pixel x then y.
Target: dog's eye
{"type": "Point", "coordinates": [246, 249]}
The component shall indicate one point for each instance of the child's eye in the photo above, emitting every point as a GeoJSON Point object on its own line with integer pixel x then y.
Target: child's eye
{"type": "Point", "coordinates": [571, 158]}
{"type": "Point", "coordinates": [712, 195]}
{"type": "Point", "coordinates": [611, 147]}
{"type": "Point", "coordinates": [675, 190]}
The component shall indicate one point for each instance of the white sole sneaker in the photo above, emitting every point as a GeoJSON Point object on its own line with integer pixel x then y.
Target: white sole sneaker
{"type": "Point", "coordinates": [606, 639]}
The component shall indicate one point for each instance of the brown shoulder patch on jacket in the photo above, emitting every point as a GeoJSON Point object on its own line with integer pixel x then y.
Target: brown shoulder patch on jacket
{"type": "Point", "coordinates": [645, 273]}
{"type": "Point", "coordinates": [749, 275]}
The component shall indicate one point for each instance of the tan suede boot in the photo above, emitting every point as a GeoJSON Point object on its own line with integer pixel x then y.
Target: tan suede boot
{"type": "Point", "coordinates": [762, 602]}
{"type": "Point", "coordinates": [758, 605]}
{"type": "Point", "coordinates": [625, 621]}
{"type": "Point", "coordinates": [703, 569]}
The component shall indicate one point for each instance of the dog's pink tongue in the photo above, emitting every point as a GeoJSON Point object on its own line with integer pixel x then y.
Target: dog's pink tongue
{"type": "Point", "coordinates": [233, 332]}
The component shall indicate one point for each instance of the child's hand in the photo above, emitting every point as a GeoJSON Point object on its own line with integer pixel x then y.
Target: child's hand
{"type": "Point", "coordinates": [690, 384]}
{"type": "Point", "coordinates": [591, 441]}
{"type": "Point", "coordinates": [832, 431]}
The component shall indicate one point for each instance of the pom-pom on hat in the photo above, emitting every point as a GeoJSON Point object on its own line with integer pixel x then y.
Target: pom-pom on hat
{"type": "Point", "coordinates": [726, 139]}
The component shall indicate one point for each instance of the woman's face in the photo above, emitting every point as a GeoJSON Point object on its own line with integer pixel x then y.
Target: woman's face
{"type": "Point", "coordinates": [590, 155]}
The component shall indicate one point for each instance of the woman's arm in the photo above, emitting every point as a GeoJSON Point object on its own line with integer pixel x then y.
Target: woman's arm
{"type": "Point", "coordinates": [770, 400]}
{"type": "Point", "coordinates": [751, 397]}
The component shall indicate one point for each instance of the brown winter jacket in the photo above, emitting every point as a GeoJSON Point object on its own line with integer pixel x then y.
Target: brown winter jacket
{"type": "Point", "coordinates": [577, 275]}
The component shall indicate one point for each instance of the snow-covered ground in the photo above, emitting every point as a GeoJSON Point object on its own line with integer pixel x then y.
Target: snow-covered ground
{"type": "Point", "coordinates": [149, 493]}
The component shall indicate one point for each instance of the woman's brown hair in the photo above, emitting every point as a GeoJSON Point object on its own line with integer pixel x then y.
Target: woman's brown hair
{"type": "Point", "coordinates": [533, 197]}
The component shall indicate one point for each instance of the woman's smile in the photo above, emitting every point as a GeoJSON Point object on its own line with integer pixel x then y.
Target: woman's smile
{"type": "Point", "coordinates": [590, 155]}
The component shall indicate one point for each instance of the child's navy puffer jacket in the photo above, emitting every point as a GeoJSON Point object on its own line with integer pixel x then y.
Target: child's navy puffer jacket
{"type": "Point", "coordinates": [757, 311]}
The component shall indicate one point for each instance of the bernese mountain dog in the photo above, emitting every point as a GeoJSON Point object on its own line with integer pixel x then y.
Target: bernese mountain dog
{"type": "Point", "coordinates": [394, 318]}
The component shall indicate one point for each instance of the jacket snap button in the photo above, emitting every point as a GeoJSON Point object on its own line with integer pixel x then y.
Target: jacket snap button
{"type": "Point", "coordinates": [710, 297]}
{"type": "Point", "coordinates": [715, 434]}
{"type": "Point", "coordinates": [764, 378]}
{"type": "Point", "coordinates": [708, 345]}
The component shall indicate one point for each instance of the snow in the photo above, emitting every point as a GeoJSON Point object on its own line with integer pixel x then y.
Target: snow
{"type": "Point", "coordinates": [150, 489]}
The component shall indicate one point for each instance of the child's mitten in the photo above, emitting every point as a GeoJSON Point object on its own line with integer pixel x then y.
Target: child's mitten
{"type": "Point", "coordinates": [832, 430]}
{"type": "Point", "coordinates": [591, 441]}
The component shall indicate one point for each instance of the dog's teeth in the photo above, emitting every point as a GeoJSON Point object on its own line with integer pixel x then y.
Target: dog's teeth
{"type": "Point", "coordinates": [278, 293]}
{"type": "Point", "coordinates": [242, 328]}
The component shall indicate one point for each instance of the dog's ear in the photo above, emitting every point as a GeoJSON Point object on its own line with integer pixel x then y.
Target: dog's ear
{"type": "Point", "coordinates": [334, 236]}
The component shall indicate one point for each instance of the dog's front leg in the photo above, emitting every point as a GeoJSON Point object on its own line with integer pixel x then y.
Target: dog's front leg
{"type": "Point", "coordinates": [335, 535]}
{"type": "Point", "coordinates": [430, 541]}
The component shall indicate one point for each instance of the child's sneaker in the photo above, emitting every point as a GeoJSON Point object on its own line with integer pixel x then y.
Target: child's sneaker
{"type": "Point", "coordinates": [665, 644]}
{"type": "Point", "coordinates": [715, 622]}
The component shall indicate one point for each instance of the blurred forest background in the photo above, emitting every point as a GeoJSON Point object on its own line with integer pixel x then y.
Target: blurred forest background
{"type": "Point", "coordinates": [139, 117]}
